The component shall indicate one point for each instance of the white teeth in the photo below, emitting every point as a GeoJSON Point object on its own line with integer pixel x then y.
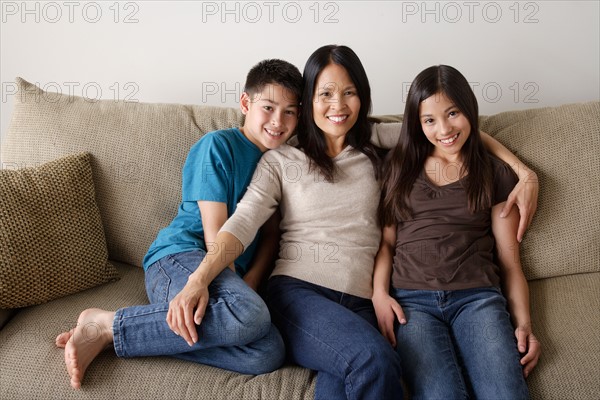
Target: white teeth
{"type": "Point", "coordinates": [449, 140]}
{"type": "Point", "coordinates": [337, 119]}
{"type": "Point", "coordinates": [272, 133]}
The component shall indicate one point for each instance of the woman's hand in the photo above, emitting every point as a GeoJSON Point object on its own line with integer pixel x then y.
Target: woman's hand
{"type": "Point", "coordinates": [181, 316]}
{"type": "Point", "coordinates": [387, 309]}
{"type": "Point", "coordinates": [528, 345]}
{"type": "Point", "coordinates": [525, 196]}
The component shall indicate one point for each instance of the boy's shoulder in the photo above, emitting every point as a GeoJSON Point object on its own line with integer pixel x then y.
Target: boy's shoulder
{"type": "Point", "coordinates": [226, 140]}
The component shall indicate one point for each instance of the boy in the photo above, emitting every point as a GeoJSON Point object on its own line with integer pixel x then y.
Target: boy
{"type": "Point", "coordinates": [235, 332]}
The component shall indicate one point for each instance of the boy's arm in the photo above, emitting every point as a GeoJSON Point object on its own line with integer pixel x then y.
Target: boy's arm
{"type": "Point", "coordinates": [214, 215]}
{"type": "Point", "coordinates": [514, 285]}
{"type": "Point", "coordinates": [268, 247]}
{"type": "Point", "coordinates": [525, 193]}
{"type": "Point", "coordinates": [385, 305]}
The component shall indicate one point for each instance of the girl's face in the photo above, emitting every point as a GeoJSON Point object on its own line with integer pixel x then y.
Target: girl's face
{"type": "Point", "coordinates": [335, 102]}
{"type": "Point", "coordinates": [444, 125]}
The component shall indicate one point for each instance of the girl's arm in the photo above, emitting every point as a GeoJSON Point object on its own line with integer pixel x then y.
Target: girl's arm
{"type": "Point", "coordinates": [514, 285]}
{"type": "Point", "coordinates": [525, 193]}
{"type": "Point", "coordinates": [385, 305]}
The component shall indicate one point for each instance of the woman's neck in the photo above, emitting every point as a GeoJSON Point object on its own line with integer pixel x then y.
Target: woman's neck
{"type": "Point", "coordinates": [335, 146]}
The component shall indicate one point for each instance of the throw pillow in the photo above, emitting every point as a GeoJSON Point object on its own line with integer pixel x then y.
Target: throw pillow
{"type": "Point", "coordinates": [51, 238]}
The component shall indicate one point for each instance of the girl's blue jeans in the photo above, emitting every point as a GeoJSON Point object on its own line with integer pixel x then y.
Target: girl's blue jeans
{"type": "Point", "coordinates": [459, 344]}
{"type": "Point", "coordinates": [335, 334]}
{"type": "Point", "coordinates": [236, 332]}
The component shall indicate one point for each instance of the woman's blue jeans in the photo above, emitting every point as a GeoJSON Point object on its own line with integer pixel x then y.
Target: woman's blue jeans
{"type": "Point", "coordinates": [459, 344]}
{"type": "Point", "coordinates": [236, 332]}
{"type": "Point", "coordinates": [335, 334]}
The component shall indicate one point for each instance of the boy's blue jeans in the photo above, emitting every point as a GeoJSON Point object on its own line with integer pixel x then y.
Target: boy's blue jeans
{"type": "Point", "coordinates": [335, 334]}
{"type": "Point", "coordinates": [459, 344]}
{"type": "Point", "coordinates": [236, 332]}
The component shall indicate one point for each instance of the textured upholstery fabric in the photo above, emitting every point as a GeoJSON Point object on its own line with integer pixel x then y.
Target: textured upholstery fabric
{"type": "Point", "coordinates": [51, 238]}
{"type": "Point", "coordinates": [32, 367]}
{"type": "Point", "coordinates": [138, 152]}
{"type": "Point", "coordinates": [566, 320]}
{"type": "Point", "coordinates": [562, 144]}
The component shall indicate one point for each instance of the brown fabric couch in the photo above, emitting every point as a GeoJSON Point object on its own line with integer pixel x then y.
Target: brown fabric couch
{"type": "Point", "coordinates": [137, 154]}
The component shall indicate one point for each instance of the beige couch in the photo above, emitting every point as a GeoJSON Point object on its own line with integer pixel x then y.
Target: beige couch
{"type": "Point", "coordinates": [137, 154]}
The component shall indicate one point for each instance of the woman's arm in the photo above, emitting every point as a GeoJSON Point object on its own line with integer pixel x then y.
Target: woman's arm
{"type": "Point", "coordinates": [514, 285]}
{"type": "Point", "coordinates": [386, 307]}
{"type": "Point", "coordinates": [525, 193]}
{"type": "Point", "coordinates": [259, 202]}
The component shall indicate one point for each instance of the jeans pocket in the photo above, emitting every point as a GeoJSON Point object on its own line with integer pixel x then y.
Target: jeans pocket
{"type": "Point", "coordinates": [157, 284]}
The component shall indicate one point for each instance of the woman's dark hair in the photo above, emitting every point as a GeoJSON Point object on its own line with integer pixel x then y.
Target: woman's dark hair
{"type": "Point", "coordinates": [407, 160]}
{"type": "Point", "coordinates": [310, 137]}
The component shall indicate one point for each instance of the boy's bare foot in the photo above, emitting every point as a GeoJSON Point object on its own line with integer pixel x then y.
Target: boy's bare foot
{"type": "Point", "coordinates": [82, 344]}
{"type": "Point", "coordinates": [63, 338]}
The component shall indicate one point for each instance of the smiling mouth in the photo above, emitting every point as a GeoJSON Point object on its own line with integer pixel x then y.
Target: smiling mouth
{"type": "Point", "coordinates": [337, 118]}
{"type": "Point", "coordinates": [450, 140]}
{"type": "Point", "coordinates": [273, 133]}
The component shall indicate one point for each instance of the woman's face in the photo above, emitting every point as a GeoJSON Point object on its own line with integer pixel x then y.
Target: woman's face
{"type": "Point", "coordinates": [445, 126]}
{"type": "Point", "coordinates": [335, 102]}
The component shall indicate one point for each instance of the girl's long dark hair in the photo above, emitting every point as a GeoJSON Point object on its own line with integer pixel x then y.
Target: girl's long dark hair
{"type": "Point", "coordinates": [310, 137]}
{"type": "Point", "coordinates": [407, 160]}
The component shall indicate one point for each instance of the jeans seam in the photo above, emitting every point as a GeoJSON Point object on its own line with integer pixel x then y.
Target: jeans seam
{"type": "Point", "coordinates": [117, 336]}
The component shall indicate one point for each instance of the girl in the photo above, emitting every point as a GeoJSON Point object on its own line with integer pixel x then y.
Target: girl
{"type": "Point", "coordinates": [441, 201]}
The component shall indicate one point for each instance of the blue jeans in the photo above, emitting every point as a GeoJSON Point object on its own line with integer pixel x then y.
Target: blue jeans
{"type": "Point", "coordinates": [236, 332]}
{"type": "Point", "coordinates": [335, 334]}
{"type": "Point", "coordinates": [459, 344]}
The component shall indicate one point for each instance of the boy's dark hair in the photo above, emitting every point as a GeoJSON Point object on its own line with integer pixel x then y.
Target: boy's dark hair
{"type": "Point", "coordinates": [310, 137]}
{"type": "Point", "coordinates": [407, 159]}
{"type": "Point", "coordinates": [274, 71]}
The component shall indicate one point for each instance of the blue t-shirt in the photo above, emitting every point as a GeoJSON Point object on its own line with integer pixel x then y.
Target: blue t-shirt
{"type": "Point", "coordinates": [219, 167]}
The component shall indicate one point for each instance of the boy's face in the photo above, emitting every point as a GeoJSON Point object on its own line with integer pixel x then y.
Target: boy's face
{"type": "Point", "coordinates": [271, 116]}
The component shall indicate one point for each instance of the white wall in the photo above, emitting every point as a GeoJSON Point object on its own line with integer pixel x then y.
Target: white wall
{"type": "Point", "coordinates": [516, 54]}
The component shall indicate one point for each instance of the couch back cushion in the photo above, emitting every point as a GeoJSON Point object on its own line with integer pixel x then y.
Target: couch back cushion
{"type": "Point", "coordinates": [137, 149]}
{"type": "Point", "coordinates": [562, 144]}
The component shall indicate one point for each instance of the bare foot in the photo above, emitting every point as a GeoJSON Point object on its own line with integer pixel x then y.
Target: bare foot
{"type": "Point", "coordinates": [92, 334]}
{"type": "Point", "coordinates": [63, 338]}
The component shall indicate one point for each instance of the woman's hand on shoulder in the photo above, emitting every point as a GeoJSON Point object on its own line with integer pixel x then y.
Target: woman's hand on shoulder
{"type": "Point", "coordinates": [387, 310]}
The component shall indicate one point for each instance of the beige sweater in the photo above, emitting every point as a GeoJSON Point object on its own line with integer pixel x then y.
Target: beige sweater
{"type": "Point", "coordinates": [330, 234]}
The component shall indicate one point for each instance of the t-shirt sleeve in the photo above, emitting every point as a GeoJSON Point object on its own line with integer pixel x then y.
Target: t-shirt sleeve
{"type": "Point", "coordinates": [505, 180]}
{"type": "Point", "coordinates": [206, 175]}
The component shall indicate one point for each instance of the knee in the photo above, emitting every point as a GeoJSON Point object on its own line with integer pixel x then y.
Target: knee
{"type": "Point", "coordinates": [266, 354]}
{"type": "Point", "coordinates": [382, 359]}
{"type": "Point", "coordinates": [250, 316]}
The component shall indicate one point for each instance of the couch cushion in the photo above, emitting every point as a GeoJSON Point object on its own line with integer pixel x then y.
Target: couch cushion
{"type": "Point", "coordinates": [32, 367]}
{"type": "Point", "coordinates": [51, 237]}
{"type": "Point", "coordinates": [138, 152]}
{"type": "Point", "coordinates": [562, 144]}
{"type": "Point", "coordinates": [566, 320]}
